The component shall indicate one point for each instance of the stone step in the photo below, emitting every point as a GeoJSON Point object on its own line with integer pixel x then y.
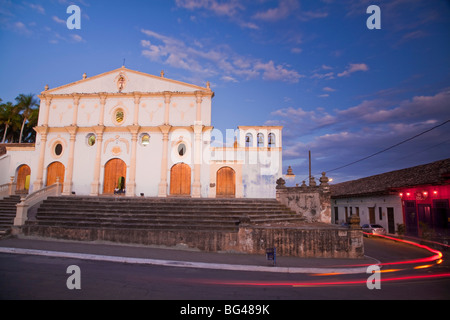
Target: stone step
{"type": "Point", "coordinates": [137, 226]}
{"type": "Point", "coordinates": [148, 204]}
{"type": "Point", "coordinates": [142, 212]}
{"type": "Point", "coordinates": [7, 218]}
{"type": "Point", "coordinates": [156, 199]}
{"type": "Point", "coordinates": [7, 214]}
{"type": "Point", "coordinates": [157, 213]}
{"type": "Point", "coordinates": [193, 213]}
{"type": "Point", "coordinates": [121, 218]}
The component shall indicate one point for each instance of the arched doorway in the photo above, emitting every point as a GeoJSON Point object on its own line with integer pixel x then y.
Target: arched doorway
{"type": "Point", "coordinates": [226, 182]}
{"type": "Point", "coordinates": [180, 179]}
{"type": "Point", "coordinates": [115, 176]}
{"type": "Point", "coordinates": [55, 170]}
{"type": "Point", "coordinates": [23, 179]}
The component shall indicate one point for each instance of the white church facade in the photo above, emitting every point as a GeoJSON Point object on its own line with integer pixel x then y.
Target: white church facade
{"type": "Point", "coordinates": [135, 134]}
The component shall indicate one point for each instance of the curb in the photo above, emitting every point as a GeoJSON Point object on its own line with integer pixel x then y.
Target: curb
{"type": "Point", "coordinates": [183, 264]}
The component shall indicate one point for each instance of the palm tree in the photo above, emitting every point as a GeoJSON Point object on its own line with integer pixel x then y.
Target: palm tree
{"type": "Point", "coordinates": [26, 104]}
{"type": "Point", "coordinates": [8, 117]}
{"type": "Point", "coordinates": [29, 135]}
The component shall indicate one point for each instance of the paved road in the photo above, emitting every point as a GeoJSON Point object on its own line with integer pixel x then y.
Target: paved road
{"type": "Point", "coordinates": [27, 276]}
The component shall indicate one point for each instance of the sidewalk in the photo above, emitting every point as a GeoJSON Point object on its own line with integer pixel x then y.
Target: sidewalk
{"type": "Point", "coordinates": [178, 256]}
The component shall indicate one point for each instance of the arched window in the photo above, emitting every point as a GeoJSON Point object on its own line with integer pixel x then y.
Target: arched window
{"type": "Point", "coordinates": [181, 149]}
{"type": "Point", "coordinates": [248, 140]}
{"type": "Point", "coordinates": [260, 140]}
{"type": "Point", "coordinates": [271, 141]}
{"type": "Point", "coordinates": [90, 139]}
{"type": "Point", "coordinates": [119, 116]}
{"type": "Point", "coordinates": [145, 139]}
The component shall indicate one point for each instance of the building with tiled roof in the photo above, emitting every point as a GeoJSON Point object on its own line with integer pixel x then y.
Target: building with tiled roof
{"type": "Point", "coordinates": [416, 197]}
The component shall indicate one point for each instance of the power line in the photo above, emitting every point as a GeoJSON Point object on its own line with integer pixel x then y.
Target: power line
{"type": "Point", "coordinates": [393, 146]}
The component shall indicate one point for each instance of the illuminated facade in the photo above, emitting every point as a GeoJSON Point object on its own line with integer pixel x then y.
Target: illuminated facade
{"type": "Point", "coordinates": [136, 134]}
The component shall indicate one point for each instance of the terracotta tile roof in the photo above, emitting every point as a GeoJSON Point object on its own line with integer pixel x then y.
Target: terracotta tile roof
{"type": "Point", "coordinates": [435, 173]}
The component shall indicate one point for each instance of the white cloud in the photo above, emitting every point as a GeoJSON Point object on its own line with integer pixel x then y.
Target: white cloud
{"type": "Point", "coordinates": [309, 15]}
{"type": "Point", "coordinates": [284, 9]}
{"type": "Point", "coordinates": [77, 38]}
{"type": "Point", "coordinates": [58, 20]}
{"type": "Point", "coordinates": [353, 67]}
{"type": "Point", "coordinates": [36, 7]}
{"type": "Point", "coordinates": [229, 8]}
{"type": "Point", "coordinates": [348, 134]}
{"type": "Point", "coordinates": [326, 76]}
{"type": "Point", "coordinates": [219, 60]}
{"type": "Point", "coordinates": [20, 27]}
{"type": "Point", "coordinates": [272, 72]}
{"type": "Point", "coordinates": [229, 79]}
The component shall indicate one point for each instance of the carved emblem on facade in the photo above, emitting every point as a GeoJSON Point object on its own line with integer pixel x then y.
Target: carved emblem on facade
{"type": "Point", "coordinates": [121, 82]}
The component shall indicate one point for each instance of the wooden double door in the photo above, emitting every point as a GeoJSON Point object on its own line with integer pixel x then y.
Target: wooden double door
{"type": "Point", "coordinates": [180, 180]}
{"type": "Point", "coordinates": [115, 176]}
{"type": "Point", "coordinates": [23, 179]}
{"type": "Point", "coordinates": [55, 170]}
{"type": "Point", "coordinates": [226, 182]}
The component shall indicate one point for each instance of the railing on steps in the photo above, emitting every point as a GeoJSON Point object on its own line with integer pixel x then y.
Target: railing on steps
{"type": "Point", "coordinates": [7, 189]}
{"type": "Point", "coordinates": [33, 199]}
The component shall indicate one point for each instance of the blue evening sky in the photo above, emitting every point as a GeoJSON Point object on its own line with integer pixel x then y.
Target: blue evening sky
{"type": "Point", "coordinates": [340, 90]}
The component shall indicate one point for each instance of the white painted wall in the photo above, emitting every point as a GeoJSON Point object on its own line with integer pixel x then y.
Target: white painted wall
{"type": "Point", "coordinates": [363, 203]}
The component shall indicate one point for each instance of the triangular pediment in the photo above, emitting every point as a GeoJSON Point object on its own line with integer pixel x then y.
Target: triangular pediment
{"type": "Point", "coordinates": [126, 81]}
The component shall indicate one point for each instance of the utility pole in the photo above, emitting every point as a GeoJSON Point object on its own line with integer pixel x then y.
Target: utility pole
{"type": "Point", "coordinates": [309, 166]}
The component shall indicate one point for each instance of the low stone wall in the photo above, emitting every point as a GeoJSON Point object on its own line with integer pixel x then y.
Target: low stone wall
{"type": "Point", "coordinates": [309, 242]}
{"type": "Point", "coordinates": [312, 202]}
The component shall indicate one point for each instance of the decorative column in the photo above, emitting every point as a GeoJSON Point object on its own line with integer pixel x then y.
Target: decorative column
{"type": "Point", "coordinates": [102, 97]}
{"type": "Point", "coordinates": [162, 188]}
{"type": "Point", "coordinates": [76, 102]}
{"type": "Point", "coordinates": [48, 101]}
{"type": "Point", "coordinates": [167, 97]}
{"type": "Point", "coordinates": [196, 186]}
{"type": "Point", "coordinates": [137, 100]}
{"type": "Point", "coordinates": [198, 99]}
{"type": "Point", "coordinates": [42, 131]}
{"type": "Point", "coordinates": [95, 185]}
{"type": "Point", "coordinates": [67, 188]}
{"type": "Point", "coordinates": [131, 184]}
{"type": "Point", "coordinates": [12, 186]}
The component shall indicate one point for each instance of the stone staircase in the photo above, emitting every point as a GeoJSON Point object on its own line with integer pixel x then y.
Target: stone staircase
{"type": "Point", "coordinates": [159, 213]}
{"type": "Point", "coordinates": [7, 214]}
{"type": "Point", "coordinates": [204, 224]}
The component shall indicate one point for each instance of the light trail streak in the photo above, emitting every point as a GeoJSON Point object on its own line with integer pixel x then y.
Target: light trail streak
{"type": "Point", "coordinates": [436, 257]}
{"type": "Point", "coordinates": [328, 283]}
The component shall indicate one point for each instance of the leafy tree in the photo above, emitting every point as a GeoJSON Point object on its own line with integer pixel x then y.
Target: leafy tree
{"type": "Point", "coordinates": [26, 105]}
{"type": "Point", "coordinates": [10, 119]}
